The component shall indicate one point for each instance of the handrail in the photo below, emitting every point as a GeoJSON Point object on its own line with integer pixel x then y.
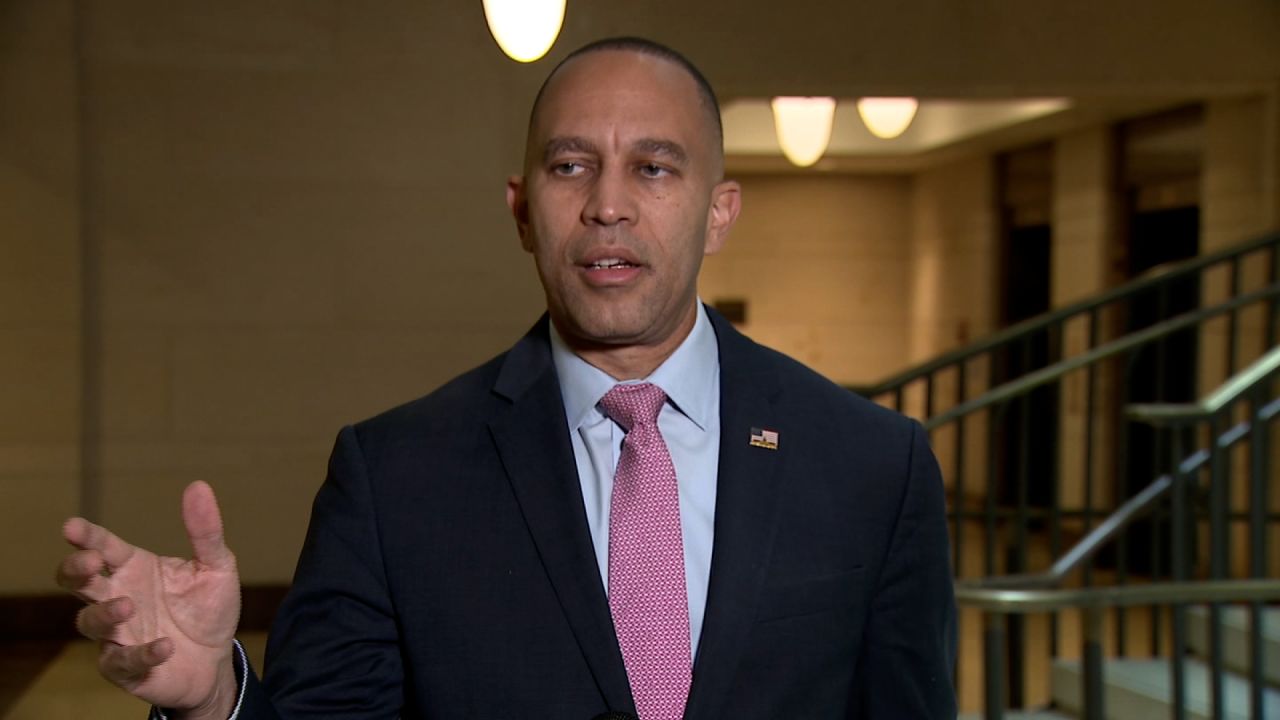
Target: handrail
{"type": "Point", "coordinates": [1088, 546]}
{"type": "Point", "coordinates": [1140, 504]}
{"type": "Point", "coordinates": [1006, 601]}
{"type": "Point", "coordinates": [1145, 282]}
{"type": "Point", "coordinates": [1180, 573]}
{"type": "Point", "coordinates": [1214, 402]}
{"type": "Point", "coordinates": [1055, 371]}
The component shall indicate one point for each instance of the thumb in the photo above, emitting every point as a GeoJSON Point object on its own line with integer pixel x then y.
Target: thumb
{"type": "Point", "coordinates": [204, 526]}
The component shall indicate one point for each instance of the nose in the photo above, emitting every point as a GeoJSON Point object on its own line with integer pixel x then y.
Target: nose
{"type": "Point", "coordinates": [610, 200]}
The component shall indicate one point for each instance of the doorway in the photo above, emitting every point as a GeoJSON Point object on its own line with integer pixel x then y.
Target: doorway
{"type": "Point", "coordinates": [1162, 157]}
{"type": "Point", "coordinates": [1161, 371]}
{"type": "Point", "coordinates": [1030, 426]}
{"type": "Point", "coordinates": [1027, 440]}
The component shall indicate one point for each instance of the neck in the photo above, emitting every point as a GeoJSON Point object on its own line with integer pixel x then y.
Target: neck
{"type": "Point", "coordinates": [632, 361]}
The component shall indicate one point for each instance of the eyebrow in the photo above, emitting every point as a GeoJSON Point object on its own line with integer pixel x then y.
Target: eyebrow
{"type": "Point", "coordinates": [560, 145]}
{"type": "Point", "coordinates": [648, 146]}
{"type": "Point", "coordinates": [664, 148]}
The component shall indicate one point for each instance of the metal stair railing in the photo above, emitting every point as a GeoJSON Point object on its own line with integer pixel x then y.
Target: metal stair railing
{"type": "Point", "coordinates": [1033, 462]}
{"type": "Point", "coordinates": [997, 605]}
{"type": "Point", "coordinates": [1010, 529]}
{"type": "Point", "coordinates": [1157, 280]}
{"type": "Point", "coordinates": [1252, 389]}
{"type": "Point", "coordinates": [1250, 396]}
{"type": "Point", "coordinates": [945, 390]}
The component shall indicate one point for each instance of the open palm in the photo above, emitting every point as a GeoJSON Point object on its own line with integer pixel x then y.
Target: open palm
{"type": "Point", "coordinates": [166, 624]}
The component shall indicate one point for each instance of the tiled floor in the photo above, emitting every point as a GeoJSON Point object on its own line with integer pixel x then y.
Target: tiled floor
{"type": "Point", "coordinates": [69, 687]}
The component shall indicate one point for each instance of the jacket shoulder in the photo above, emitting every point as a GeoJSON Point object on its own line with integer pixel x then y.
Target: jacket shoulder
{"type": "Point", "coordinates": [460, 402]}
{"type": "Point", "coordinates": [842, 408]}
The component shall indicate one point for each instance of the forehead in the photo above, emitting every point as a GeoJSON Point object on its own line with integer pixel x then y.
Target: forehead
{"type": "Point", "coordinates": [621, 93]}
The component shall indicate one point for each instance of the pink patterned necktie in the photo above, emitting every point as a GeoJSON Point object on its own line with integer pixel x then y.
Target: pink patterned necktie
{"type": "Point", "coordinates": [646, 558]}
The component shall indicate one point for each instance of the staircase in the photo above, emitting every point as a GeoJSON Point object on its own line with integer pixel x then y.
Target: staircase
{"type": "Point", "coordinates": [1137, 688]}
{"type": "Point", "coordinates": [1092, 508]}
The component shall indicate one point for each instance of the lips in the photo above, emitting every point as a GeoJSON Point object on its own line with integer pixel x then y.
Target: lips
{"type": "Point", "coordinates": [610, 263]}
{"type": "Point", "coordinates": [610, 270]}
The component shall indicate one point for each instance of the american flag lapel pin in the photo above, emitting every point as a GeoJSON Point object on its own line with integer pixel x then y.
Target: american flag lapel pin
{"type": "Point", "coordinates": [764, 438]}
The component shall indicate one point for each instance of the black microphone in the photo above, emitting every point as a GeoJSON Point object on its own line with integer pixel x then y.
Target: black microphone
{"type": "Point", "coordinates": [615, 716]}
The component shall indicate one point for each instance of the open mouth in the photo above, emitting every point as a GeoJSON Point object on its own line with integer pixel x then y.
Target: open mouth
{"type": "Point", "coordinates": [611, 272]}
{"type": "Point", "coordinates": [610, 264]}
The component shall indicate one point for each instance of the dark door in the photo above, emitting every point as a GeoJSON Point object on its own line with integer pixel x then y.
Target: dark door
{"type": "Point", "coordinates": [1162, 371]}
{"type": "Point", "coordinates": [1027, 426]}
{"type": "Point", "coordinates": [1029, 429]}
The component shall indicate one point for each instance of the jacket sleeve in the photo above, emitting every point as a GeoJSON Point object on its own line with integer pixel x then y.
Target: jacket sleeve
{"type": "Point", "coordinates": [908, 661]}
{"type": "Point", "coordinates": [334, 649]}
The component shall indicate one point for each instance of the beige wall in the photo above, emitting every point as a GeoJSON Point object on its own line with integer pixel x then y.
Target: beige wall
{"type": "Point", "coordinates": [1085, 248]}
{"type": "Point", "coordinates": [955, 256]}
{"type": "Point", "coordinates": [1084, 214]}
{"type": "Point", "coordinates": [301, 221]}
{"type": "Point", "coordinates": [40, 291]}
{"type": "Point", "coordinates": [292, 217]}
{"type": "Point", "coordinates": [1236, 203]}
{"type": "Point", "coordinates": [952, 295]}
{"type": "Point", "coordinates": [825, 264]}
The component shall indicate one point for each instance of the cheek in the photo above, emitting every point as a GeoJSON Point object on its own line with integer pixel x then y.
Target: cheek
{"type": "Point", "coordinates": [545, 238]}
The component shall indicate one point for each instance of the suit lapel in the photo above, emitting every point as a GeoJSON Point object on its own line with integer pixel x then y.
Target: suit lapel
{"type": "Point", "coordinates": [745, 517]}
{"type": "Point", "coordinates": [533, 442]}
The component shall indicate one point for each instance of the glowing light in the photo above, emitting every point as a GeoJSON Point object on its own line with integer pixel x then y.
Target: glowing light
{"type": "Point", "coordinates": [803, 126]}
{"type": "Point", "coordinates": [887, 117]}
{"type": "Point", "coordinates": [524, 29]}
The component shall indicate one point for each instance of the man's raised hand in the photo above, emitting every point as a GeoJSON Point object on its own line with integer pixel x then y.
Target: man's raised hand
{"type": "Point", "coordinates": [165, 624]}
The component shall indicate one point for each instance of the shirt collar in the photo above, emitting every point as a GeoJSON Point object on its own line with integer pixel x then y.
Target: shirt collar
{"type": "Point", "coordinates": [687, 376]}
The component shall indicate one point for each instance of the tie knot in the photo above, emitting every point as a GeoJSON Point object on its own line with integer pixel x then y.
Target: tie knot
{"type": "Point", "coordinates": [634, 404]}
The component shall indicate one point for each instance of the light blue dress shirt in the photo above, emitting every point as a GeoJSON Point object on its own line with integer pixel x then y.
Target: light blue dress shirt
{"type": "Point", "coordinates": [690, 425]}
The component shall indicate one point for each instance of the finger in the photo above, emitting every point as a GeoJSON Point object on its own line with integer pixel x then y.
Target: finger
{"type": "Point", "coordinates": [81, 572]}
{"type": "Point", "coordinates": [88, 536]}
{"type": "Point", "coordinates": [204, 526]}
{"type": "Point", "coordinates": [126, 664]}
{"type": "Point", "coordinates": [100, 620]}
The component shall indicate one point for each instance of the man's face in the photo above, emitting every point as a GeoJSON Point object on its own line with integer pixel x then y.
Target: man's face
{"type": "Point", "coordinates": [621, 199]}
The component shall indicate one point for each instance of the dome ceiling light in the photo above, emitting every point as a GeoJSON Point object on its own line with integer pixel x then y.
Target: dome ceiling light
{"type": "Point", "coordinates": [524, 29]}
{"type": "Point", "coordinates": [803, 126]}
{"type": "Point", "coordinates": [887, 117]}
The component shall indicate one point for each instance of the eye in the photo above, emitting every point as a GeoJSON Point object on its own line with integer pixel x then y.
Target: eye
{"type": "Point", "coordinates": [568, 168]}
{"type": "Point", "coordinates": [653, 170]}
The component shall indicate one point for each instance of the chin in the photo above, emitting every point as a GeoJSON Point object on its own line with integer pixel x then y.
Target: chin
{"type": "Point", "coordinates": [610, 329]}
{"type": "Point", "coordinates": [613, 334]}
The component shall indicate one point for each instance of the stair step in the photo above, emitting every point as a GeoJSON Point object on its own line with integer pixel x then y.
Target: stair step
{"type": "Point", "coordinates": [1141, 689]}
{"type": "Point", "coordinates": [1235, 639]}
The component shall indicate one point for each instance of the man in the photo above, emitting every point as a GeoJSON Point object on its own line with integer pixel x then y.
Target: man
{"type": "Point", "coordinates": [545, 537]}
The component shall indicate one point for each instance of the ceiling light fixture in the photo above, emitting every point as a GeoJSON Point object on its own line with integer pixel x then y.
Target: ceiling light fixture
{"type": "Point", "coordinates": [524, 29]}
{"type": "Point", "coordinates": [887, 117]}
{"type": "Point", "coordinates": [803, 127]}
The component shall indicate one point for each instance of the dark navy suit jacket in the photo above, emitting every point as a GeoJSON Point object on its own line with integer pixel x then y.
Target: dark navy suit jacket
{"type": "Point", "coordinates": [448, 571]}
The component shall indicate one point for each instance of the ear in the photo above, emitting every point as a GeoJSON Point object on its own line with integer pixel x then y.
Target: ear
{"type": "Point", "coordinates": [518, 203]}
{"type": "Point", "coordinates": [726, 202]}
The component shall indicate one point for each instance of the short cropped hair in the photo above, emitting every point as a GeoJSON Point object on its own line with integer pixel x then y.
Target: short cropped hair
{"type": "Point", "coordinates": [644, 47]}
